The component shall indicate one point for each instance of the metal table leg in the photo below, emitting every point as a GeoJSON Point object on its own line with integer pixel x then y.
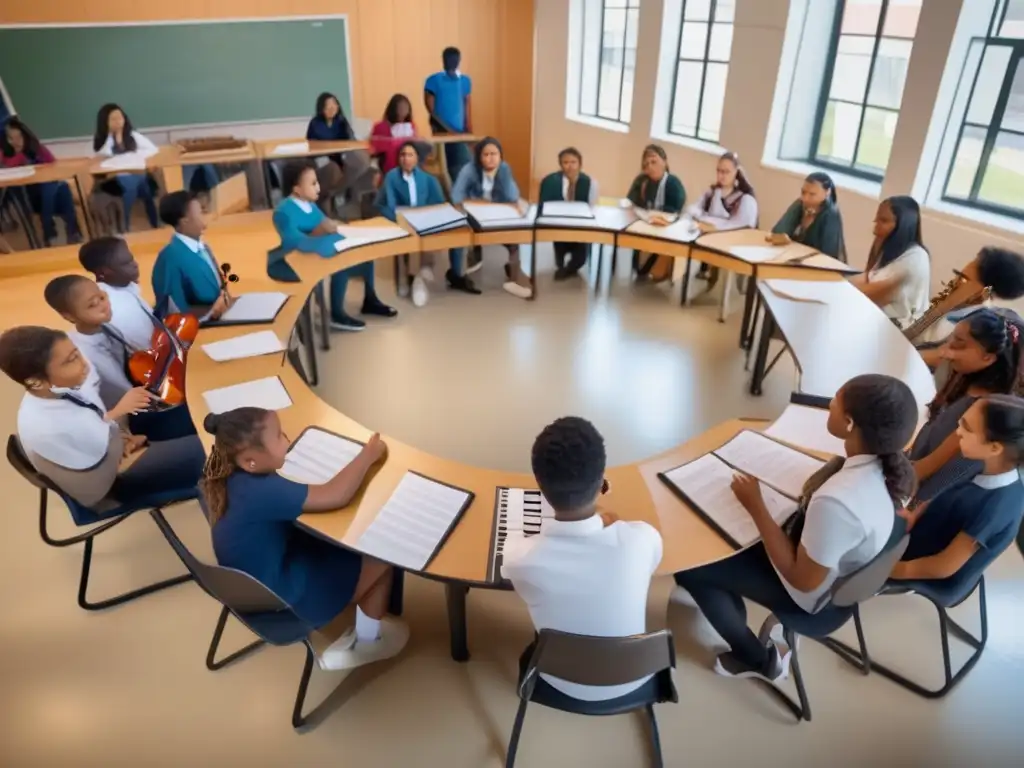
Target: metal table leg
{"type": "Point", "coordinates": [456, 596]}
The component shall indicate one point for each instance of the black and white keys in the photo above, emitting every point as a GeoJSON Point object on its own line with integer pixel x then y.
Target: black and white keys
{"type": "Point", "coordinates": [518, 514]}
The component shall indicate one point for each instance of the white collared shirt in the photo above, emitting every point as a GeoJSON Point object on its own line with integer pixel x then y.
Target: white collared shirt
{"type": "Point", "coordinates": [304, 205]}
{"type": "Point", "coordinates": [402, 130]}
{"type": "Point", "coordinates": [107, 358]}
{"type": "Point", "coordinates": [1003, 479]}
{"type": "Point", "coordinates": [912, 271]}
{"type": "Point", "coordinates": [487, 186]}
{"type": "Point", "coordinates": [130, 314]}
{"type": "Point", "coordinates": [591, 198]}
{"type": "Point", "coordinates": [66, 434]}
{"type": "Point", "coordinates": [410, 180]}
{"type": "Point", "coordinates": [198, 246]}
{"type": "Point", "coordinates": [142, 144]}
{"type": "Point", "coordinates": [588, 579]}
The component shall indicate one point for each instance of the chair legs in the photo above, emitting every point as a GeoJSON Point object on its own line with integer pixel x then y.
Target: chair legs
{"type": "Point", "coordinates": [298, 719]}
{"type": "Point", "coordinates": [856, 657]}
{"type": "Point", "coordinates": [513, 742]}
{"type": "Point", "coordinates": [78, 539]}
{"type": "Point", "coordinates": [211, 655]}
{"type": "Point", "coordinates": [656, 757]}
{"type": "Point", "coordinates": [801, 709]}
{"type": "Point", "coordinates": [83, 585]}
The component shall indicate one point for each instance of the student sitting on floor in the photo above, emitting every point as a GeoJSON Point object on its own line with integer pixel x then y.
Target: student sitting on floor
{"type": "Point", "coordinates": [850, 508]}
{"type": "Point", "coordinates": [656, 189]}
{"type": "Point", "coordinates": [570, 184]}
{"type": "Point", "coordinates": [984, 356]}
{"type": "Point", "coordinates": [408, 186]}
{"type": "Point", "coordinates": [253, 511]}
{"type": "Point", "coordinates": [979, 515]}
{"type": "Point", "coordinates": [586, 572]}
{"type": "Point", "coordinates": [20, 146]}
{"type": "Point", "coordinates": [117, 274]}
{"type": "Point", "coordinates": [304, 228]}
{"type": "Point", "coordinates": [813, 219]}
{"type": "Point", "coordinates": [116, 136]}
{"type": "Point", "coordinates": [75, 441]}
{"type": "Point", "coordinates": [186, 276]}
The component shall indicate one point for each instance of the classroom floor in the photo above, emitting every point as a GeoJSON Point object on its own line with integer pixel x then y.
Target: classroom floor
{"type": "Point", "coordinates": [474, 378]}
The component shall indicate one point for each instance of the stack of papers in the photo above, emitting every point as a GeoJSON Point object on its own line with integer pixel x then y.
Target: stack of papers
{"type": "Point", "coordinates": [806, 427]}
{"type": "Point", "coordinates": [317, 456]}
{"type": "Point", "coordinates": [21, 172]}
{"type": "Point", "coordinates": [129, 161]}
{"type": "Point", "coordinates": [254, 307]}
{"type": "Point", "coordinates": [357, 236]}
{"type": "Point", "coordinates": [246, 345]}
{"type": "Point", "coordinates": [499, 215]}
{"type": "Point", "coordinates": [682, 231]}
{"type": "Point", "coordinates": [757, 254]}
{"type": "Point", "coordinates": [645, 215]}
{"type": "Point", "coordinates": [571, 210]}
{"type": "Point", "coordinates": [295, 148]}
{"type": "Point", "coordinates": [268, 393]}
{"type": "Point", "coordinates": [430, 221]}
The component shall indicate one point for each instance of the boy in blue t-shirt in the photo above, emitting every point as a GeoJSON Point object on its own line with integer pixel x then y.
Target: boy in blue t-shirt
{"type": "Point", "coordinates": [446, 95]}
{"type": "Point", "coordinates": [974, 521]}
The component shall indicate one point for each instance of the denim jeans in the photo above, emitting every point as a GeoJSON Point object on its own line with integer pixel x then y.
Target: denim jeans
{"type": "Point", "coordinates": [457, 157]}
{"type": "Point", "coordinates": [133, 186]}
{"type": "Point", "coordinates": [54, 197]}
{"type": "Point", "coordinates": [339, 284]}
{"type": "Point", "coordinates": [207, 173]}
{"type": "Point", "coordinates": [166, 466]}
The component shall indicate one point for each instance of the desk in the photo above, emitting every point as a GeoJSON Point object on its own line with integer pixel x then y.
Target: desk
{"type": "Point", "coordinates": [279, 149]}
{"type": "Point", "coordinates": [62, 170]}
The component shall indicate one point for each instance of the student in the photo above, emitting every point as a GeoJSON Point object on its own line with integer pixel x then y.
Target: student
{"type": "Point", "coordinates": [571, 184]}
{"type": "Point", "coordinates": [408, 186]}
{"type": "Point", "coordinates": [117, 273]}
{"type": "Point", "coordinates": [252, 511]}
{"type": "Point", "coordinates": [656, 189]}
{"type": "Point", "coordinates": [984, 356]}
{"type": "Point", "coordinates": [446, 95]}
{"type": "Point", "coordinates": [586, 572]}
{"type": "Point", "coordinates": [303, 227]}
{"type": "Point", "coordinates": [850, 510]}
{"type": "Point", "coordinates": [115, 136]}
{"type": "Point", "coordinates": [489, 178]}
{"type": "Point", "coordinates": [730, 202]}
{"type": "Point", "coordinates": [814, 219]}
{"type": "Point", "coordinates": [19, 146]}
{"type": "Point", "coordinates": [898, 272]}
{"type": "Point", "coordinates": [186, 276]}
{"type": "Point", "coordinates": [977, 519]}
{"type": "Point", "coordinates": [346, 173]}
{"type": "Point", "coordinates": [390, 134]}
{"type": "Point", "coordinates": [69, 436]}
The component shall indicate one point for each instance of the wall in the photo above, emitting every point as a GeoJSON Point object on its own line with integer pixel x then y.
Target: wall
{"type": "Point", "coordinates": [395, 45]}
{"type": "Point", "coordinates": [614, 158]}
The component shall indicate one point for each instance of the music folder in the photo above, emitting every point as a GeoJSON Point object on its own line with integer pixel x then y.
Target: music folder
{"type": "Point", "coordinates": [435, 219]}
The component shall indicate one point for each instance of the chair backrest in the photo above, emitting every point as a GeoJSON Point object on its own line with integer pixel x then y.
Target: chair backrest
{"type": "Point", "coordinates": [867, 581]}
{"type": "Point", "coordinates": [236, 590]}
{"type": "Point", "coordinates": [16, 458]}
{"type": "Point", "coordinates": [589, 660]}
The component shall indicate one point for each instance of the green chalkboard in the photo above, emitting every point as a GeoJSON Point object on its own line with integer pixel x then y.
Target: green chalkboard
{"type": "Point", "coordinates": [173, 74]}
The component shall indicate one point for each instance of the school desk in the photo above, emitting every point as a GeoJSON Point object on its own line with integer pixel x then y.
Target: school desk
{"type": "Point", "coordinates": [62, 170]}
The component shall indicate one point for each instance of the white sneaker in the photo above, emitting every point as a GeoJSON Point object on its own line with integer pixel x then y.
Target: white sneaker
{"type": "Point", "coordinates": [403, 288]}
{"type": "Point", "coordinates": [343, 643]}
{"type": "Point", "coordinates": [420, 294]}
{"type": "Point", "coordinates": [427, 273]}
{"type": "Point", "coordinates": [394, 635]}
{"type": "Point", "coordinates": [517, 290]}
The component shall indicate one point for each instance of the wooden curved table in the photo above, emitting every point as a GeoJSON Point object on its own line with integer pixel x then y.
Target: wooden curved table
{"type": "Point", "coordinates": [636, 493]}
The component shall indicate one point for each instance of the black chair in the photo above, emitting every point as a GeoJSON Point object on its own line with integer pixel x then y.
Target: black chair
{"type": "Point", "coordinates": [261, 611]}
{"type": "Point", "coordinates": [84, 516]}
{"type": "Point", "coordinates": [598, 661]}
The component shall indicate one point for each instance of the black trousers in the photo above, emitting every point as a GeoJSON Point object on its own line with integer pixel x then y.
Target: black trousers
{"type": "Point", "coordinates": [577, 253]}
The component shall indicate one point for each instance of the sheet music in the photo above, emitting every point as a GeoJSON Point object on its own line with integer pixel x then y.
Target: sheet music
{"type": "Point", "coordinates": [413, 522]}
{"type": "Point", "coordinates": [433, 219]}
{"type": "Point", "coordinates": [246, 345]}
{"type": "Point", "coordinates": [129, 161]}
{"type": "Point", "coordinates": [804, 426]}
{"type": "Point", "coordinates": [770, 462]}
{"type": "Point", "coordinates": [373, 234]}
{"type": "Point", "coordinates": [257, 307]}
{"type": "Point", "coordinates": [317, 456]}
{"type": "Point", "coordinates": [20, 172]}
{"type": "Point", "coordinates": [266, 393]}
{"type": "Point", "coordinates": [295, 148]}
{"type": "Point", "coordinates": [683, 230]}
{"type": "Point", "coordinates": [707, 482]}
{"type": "Point", "coordinates": [572, 209]}
{"type": "Point", "coordinates": [757, 254]}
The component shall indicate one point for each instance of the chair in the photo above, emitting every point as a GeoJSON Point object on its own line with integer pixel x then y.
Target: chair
{"type": "Point", "coordinates": [261, 611]}
{"type": "Point", "coordinates": [84, 516]}
{"type": "Point", "coordinates": [106, 212]}
{"type": "Point", "coordinates": [598, 661]}
{"type": "Point", "coordinates": [846, 595]}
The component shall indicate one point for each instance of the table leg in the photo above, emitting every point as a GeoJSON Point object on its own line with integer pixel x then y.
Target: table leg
{"type": "Point", "coordinates": [309, 341]}
{"type": "Point", "coordinates": [396, 599]}
{"type": "Point", "coordinates": [727, 279]}
{"type": "Point", "coordinates": [23, 209]}
{"type": "Point", "coordinates": [173, 179]}
{"type": "Point", "coordinates": [533, 265]}
{"type": "Point", "coordinates": [456, 596]}
{"type": "Point", "coordinates": [746, 329]}
{"type": "Point", "coordinates": [325, 322]}
{"type": "Point", "coordinates": [761, 360]}
{"type": "Point", "coordinates": [685, 294]}
{"type": "Point", "coordinates": [265, 168]}
{"type": "Point", "coordinates": [86, 213]}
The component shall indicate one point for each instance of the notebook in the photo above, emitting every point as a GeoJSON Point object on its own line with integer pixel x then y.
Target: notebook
{"type": "Point", "coordinates": [318, 456]}
{"type": "Point", "coordinates": [252, 308]}
{"type": "Point", "coordinates": [573, 209]}
{"type": "Point", "coordinates": [430, 221]}
{"type": "Point", "coordinates": [499, 215]}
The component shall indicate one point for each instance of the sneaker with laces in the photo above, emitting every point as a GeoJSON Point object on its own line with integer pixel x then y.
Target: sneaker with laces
{"type": "Point", "coordinates": [394, 635]}
{"type": "Point", "coordinates": [517, 290]}
{"type": "Point", "coordinates": [772, 671]}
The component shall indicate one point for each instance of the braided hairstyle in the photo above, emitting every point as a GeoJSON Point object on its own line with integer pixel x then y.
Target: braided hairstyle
{"type": "Point", "coordinates": [235, 431]}
{"type": "Point", "coordinates": [998, 335]}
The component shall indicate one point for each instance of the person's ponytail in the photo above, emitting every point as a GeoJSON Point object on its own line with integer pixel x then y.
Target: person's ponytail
{"type": "Point", "coordinates": [900, 480]}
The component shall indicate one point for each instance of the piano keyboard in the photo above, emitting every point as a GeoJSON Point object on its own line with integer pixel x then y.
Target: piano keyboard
{"type": "Point", "coordinates": [518, 513]}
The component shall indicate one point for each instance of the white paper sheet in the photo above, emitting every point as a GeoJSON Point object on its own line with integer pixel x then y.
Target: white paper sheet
{"type": "Point", "coordinates": [246, 345]}
{"type": "Point", "coordinates": [770, 462]}
{"type": "Point", "coordinates": [295, 148]}
{"type": "Point", "coordinates": [707, 482]}
{"type": "Point", "coordinates": [266, 393]}
{"type": "Point", "coordinates": [646, 215]}
{"type": "Point", "coordinates": [813, 291]}
{"type": "Point", "coordinates": [573, 209]}
{"type": "Point", "coordinates": [129, 161]}
{"type": "Point", "coordinates": [373, 234]}
{"type": "Point", "coordinates": [683, 231]}
{"type": "Point", "coordinates": [434, 219]}
{"type": "Point", "coordinates": [21, 172]}
{"type": "Point", "coordinates": [256, 307]}
{"type": "Point", "coordinates": [757, 254]}
{"type": "Point", "coordinates": [804, 426]}
{"type": "Point", "coordinates": [317, 456]}
{"type": "Point", "coordinates": [412, 522]}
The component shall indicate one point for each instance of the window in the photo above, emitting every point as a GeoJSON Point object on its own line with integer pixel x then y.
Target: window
{"type": "Point", "coordinates": [987, 167]}
{"type": "Point", "coordinates": [608, 60]}
{"type": "Point", "coordinates": [861, 94]}
{"type": "Point", "coordinates": [701, 68]}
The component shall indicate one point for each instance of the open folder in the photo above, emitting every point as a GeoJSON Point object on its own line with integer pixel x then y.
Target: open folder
{"type": "Point", "coordinates": [252, 308]}
{"type": "Point", "coordinates": [435, 219]}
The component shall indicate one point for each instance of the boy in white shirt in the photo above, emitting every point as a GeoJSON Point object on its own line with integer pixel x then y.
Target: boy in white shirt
{"type": "Point", "coordinates": [117, 273]}
{"type": "Point", "coordinates": [586, 572]}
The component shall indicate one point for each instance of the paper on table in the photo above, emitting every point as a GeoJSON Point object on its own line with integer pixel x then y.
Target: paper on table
{"type": "Point", "coordinates": [412, 522]}
{"type": "Point", "coordinates": [127, 161]}
{"type": "Point", "coordinates": [757, 254]}
{"type": "Point", "coordinates": [493, 213]}
{"type": "Point", "coordinates": [572, 209]}
{"type": "Point", "coordinates": [297, 147]}
{"type": "Point", "coordinates": [805, 427]}
{"type": "Point", "coordinates": [266, 393]}
{"type": "Point", "coordinates": [646, 215]}
{"type": "Point", "coordinates": [683, 231]}
{"type": "Point", "coordinates": [317, 456]}
{"type": "Point", "coordinates": [424, 220]}
{"type": "Point", "coordinates": [707, 482]}
{"type": "Point", "coordinates": [813, 291]}
{"type": "Point", "coordinates": [774, 464]}
{"type": "Point", "coordinates": [246, 345]}
{"type": "Point", "coordinates": [20, 172]}
{"type": "Point", "coordinates": [373, 234]}
{"type": "Point", "coordinates": [256, 307]}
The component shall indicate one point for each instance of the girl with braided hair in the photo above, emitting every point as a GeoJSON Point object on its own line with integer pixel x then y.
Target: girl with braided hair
{"type": "Point", "coordinates": [984, 357]}
{"type": "Point", "coordinates": [252, 512]}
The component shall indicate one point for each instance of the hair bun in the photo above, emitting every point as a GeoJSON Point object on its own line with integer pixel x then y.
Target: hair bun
{"type": "Point", "coordinates": [211, 422]}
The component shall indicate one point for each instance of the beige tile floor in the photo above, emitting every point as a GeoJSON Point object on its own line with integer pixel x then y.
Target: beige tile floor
{"type": "Point", "coordinates": [472, 378]}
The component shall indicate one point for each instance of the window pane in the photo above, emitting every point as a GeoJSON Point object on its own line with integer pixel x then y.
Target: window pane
{"type": "Point", "coordinates": [693, 40]}
{"type": "Point", "coordinates": [965, 164]}
{"type": "Point", "coordinates": [861, 17]}
{"type": "Point", "coordinates": [684, 108]}
{"type": "Point", "coordinates": [988, 84]}
{"type": "Point", "coordinates": [890, 73]}
{"type": "Point", "coordinates": [697, 10]}
{"type": "Point", "coordinates": [714, 100]}
{"type": "Point", "coordinates": [721, 42]}
{"type": "Point", "coordinates": [876, 139]}
{"type": "Point", "coordinates": [839, 132]}
{"type": "Point", "coordinates": [901, 18]}
{"type": "Point", "coordinates": [611, 63]}
{"type": "Point", "coordinates": [1013, 117]}
{"type": "Point", "coordinates": [626, 99]}
{"type": "Point", "coordinates": [1013, 22]}
{"type": "Point", "coordinates": [725, 10]}
{"type": "Point", "coordinates": [588, 63]}
{"type": "Point", "coordinates": [1004, 177]}
{"type": "Point", "coordinates": [850, 76]}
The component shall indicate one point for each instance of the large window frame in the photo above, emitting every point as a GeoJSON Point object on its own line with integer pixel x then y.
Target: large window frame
{"type": "Point", "coordinates": [620, 48]}
{"type": "Point", "coordinates": [864, 104]}
{"type": "Point", "coordinates": [994, 127]}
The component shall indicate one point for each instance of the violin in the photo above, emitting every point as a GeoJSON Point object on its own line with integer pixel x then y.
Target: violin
{"type": "Point", "coordinates": [161, 368]}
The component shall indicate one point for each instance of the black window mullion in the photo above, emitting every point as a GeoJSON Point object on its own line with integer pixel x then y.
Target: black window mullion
{"type": "Point", "coordinates": [600, 64]}
{"type": "Point", "coordinates": [826, 85]}
{"type": "Point", "coordinates": [867, 85]}
{"type": "Point", "coordinates": [622, 69]}
{"type": "Point", "coordinates": [675, 75]}
{"type": "Point", "coordinates": [997, 118]}
{"type": "Point", "coordinates": [704, 69]}
{"type": "Point", "coordinates": [583, 58]}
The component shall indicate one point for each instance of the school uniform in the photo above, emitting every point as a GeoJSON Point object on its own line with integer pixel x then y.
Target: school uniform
{"type": "Point", "coordinates": [667, 195]}
{"type": "Point", "coordinates": [130, 186]}
{"type": "Point", "coordinates": [186, 277]}
{"type": "Point", "coordinates": [450, 91]}
{"type": "Point", "coordinates": [407, 190]}
{"type": "Point", "coordinates": [557, 186]}
{"type": "Point", "coordinates": [825, 233]}
{"type": "Point", "coordinates": [737, 210]}
{"type": "Point", "coordinates": [131, 315]}
{"type": "Point", "coordinates": [589, 579]}
{"type": "Point", "coordinates": [387, 138]}
{"type": "Point", "coordinates": [933, 434]}
{"type": "Point", "coordinates": [913, 271]}
{"type": "Point", "coordinates": [49, 198]}
{"type": "Point", "coordinates": [258, 535]}
{"type": "Point", "coordinates": [475, 184]}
